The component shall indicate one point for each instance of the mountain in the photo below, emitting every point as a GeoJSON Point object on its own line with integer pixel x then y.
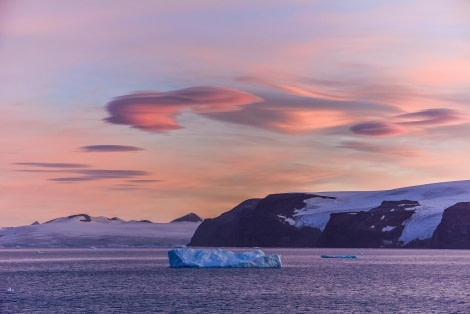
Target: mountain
{"type": "Point", "coordinates": [191, 217]}
{"type": "Point", "coordinates": [432, 215]}
{"type": "Point", "coordinates": [85, 231]}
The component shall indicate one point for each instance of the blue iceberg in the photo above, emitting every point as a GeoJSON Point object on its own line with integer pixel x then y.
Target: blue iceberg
{"type": "Point", "coordinates": [218, 258]}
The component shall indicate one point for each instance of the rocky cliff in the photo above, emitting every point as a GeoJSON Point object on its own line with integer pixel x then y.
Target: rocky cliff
{"type": "Point", "coordinates": [454, 230]}
{"type": "Point", "coordinates": [379, 227]}
{"type": "Point", "coordinates": [265, 222]}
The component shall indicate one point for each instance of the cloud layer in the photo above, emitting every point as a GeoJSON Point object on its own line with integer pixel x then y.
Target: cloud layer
{"type": "Point", "coordinates": [99, 174]}
{"type": "Point", "coordinates": [78, 174]}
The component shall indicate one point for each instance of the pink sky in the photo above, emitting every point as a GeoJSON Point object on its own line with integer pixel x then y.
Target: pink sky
{"type": "Point", "coordinates": [153, 109]}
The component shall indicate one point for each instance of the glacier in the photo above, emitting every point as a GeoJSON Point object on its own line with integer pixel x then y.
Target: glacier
{"type": "Point", "coordinates": [433, 198]}
{"type": "Point", "coordinates": [218, 258]}
{"type": "Point", "coordinates": [83, 231]}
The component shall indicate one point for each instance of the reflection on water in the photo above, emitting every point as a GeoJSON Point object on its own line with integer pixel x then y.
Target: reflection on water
{"type": "Point", "coordinates": [140, 280]}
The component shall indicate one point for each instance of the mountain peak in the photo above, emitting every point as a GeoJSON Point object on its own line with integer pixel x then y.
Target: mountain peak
{"type": "Point", "coordinates": [191, 217]}
{"type": "Point", "coordinates": [79, 217]}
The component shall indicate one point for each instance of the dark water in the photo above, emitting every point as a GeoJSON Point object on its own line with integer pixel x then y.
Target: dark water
{"type": "Point", "coordinates": [140, 281]}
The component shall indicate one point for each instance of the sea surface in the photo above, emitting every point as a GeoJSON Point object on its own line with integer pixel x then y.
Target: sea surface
{"type": "Point", "coordinates": [141, 281]}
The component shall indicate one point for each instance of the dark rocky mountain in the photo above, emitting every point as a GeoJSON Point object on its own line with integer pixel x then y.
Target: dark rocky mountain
{"type": "Point", "coordinates": [225, 229]}
{"type": "Point", "coordinates": [380, 226]}
{"type": "Point", "coordinates": [258, 222]}
{"type": "Point", "coordinates": [427, 216]}
{"type": "Point", "coordinates": [454, 230]}
{"type": "Point", "coordinates": [191, 217]}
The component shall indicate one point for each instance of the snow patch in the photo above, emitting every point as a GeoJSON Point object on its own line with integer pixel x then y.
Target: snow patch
{"type": "Point", "coordinates": [388, 228]}
{"type": "Point", "coordinates": [290, 221]}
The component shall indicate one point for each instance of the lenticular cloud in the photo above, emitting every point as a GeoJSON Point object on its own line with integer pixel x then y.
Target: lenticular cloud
{"type": "Point", "coordinates": [157, 111]}
{"type": "Point", "coordinates": [377, 128]}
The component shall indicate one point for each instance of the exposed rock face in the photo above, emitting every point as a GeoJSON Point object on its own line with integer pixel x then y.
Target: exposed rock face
{"type": "Point", "coordinates": [191, 217]}
{"type": "Point", "coordinates": [268, 225]}
{"type": "Point", "coordinates": [378, 227]}
{"type": "Point", "coordinates": [454, 230]}
{"type": "Point", "coordinates": [258, 223]}
{"type": "Point", "coordinates": [225, 229]}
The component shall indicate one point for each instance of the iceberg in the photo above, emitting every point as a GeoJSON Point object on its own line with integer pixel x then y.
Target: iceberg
{"type": "Point", "coordinates": [339, 256]}
{"type": "Point", "coordinates": [218, 258]}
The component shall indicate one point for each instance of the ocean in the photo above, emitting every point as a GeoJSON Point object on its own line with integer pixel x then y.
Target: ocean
{"type": "Point", "coordinates": [141, 281]}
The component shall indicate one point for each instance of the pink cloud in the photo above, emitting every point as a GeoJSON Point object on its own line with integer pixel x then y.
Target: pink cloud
{"type": "Point", "coordinates": [293, 88]}
{"type": "Point", "coordinates": [286, 118]}
{"type": "Point", "coordinates": [157, 111]}
{"type": "Point", "coordinates": [430, 117]}
{"type": "Point", "coordinates": [403, 123]}
{"type": "Point", "coordinates": [377, 128]}
{"type": "Point", "coordinates": [77, 169]}
{"type": "Point", "coordinates": [295, 113]}
{"type": "Point", "coordinates": [109, 148]}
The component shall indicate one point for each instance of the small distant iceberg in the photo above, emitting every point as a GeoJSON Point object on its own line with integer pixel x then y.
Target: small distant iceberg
{"type": "Point", "coordinates": [218, 258]}
{"type": "Point", "coordinates": [339, 256]}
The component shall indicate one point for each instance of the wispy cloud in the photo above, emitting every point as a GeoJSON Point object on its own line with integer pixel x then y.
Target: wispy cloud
{"type": "Point", "coordinates": [404, 123]}
{"type": "Point", "coordinates": [293, 89]}
{"type": "Point", "coordinates": [109, 148]}
{"type": "Point", "coordinates": [52, 165]}
{"type": "Point", "coordinates": [430, 117]}
{"type": "Point", "coordinates": [99, 174]}
{"type": "Point", "coordinates": [378, 149]}
{"type": "Point", "coordinates": [144, 181]}
{"type": "Point", "coordinates": [78, 169]}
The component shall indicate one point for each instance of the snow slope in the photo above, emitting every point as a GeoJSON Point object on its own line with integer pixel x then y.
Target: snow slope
{"type": "Point", "coordinates": [75, 231]}
{"type": "Point", "coordinates": [433, 200]}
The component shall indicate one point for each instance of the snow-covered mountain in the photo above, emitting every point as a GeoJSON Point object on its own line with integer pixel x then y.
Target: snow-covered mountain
{"type": "Point", "coordinates": [395, 218]}
{"type": "Point", "coordinates": [433, 199]}
{"type": "Point", "coordinates": [85, 231]}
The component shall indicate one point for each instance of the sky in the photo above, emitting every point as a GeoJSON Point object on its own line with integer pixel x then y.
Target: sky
{"type": "Point", "coordinates": [154, 109]}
